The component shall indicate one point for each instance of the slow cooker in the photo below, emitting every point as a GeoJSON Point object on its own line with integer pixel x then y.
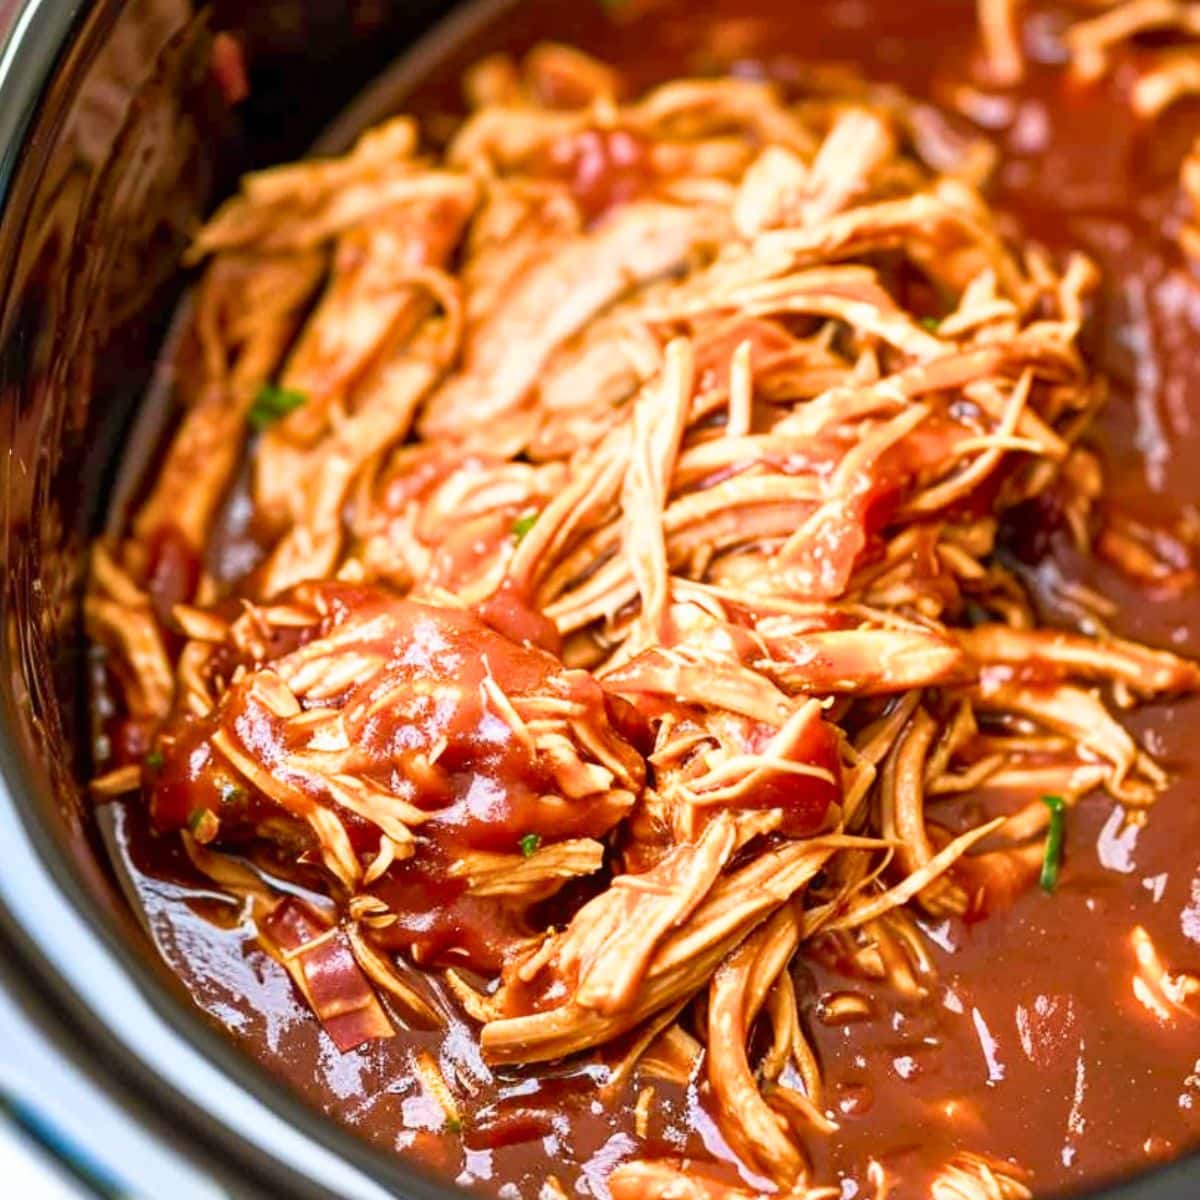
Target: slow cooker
{"type": "Point", "coordinates": [114, 140]}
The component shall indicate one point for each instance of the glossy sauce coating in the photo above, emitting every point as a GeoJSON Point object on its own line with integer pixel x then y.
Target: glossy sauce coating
{"type": "Point", "coordinates": [415, 722]}
{"type": "Point", "coordinates": [1033, 1041]}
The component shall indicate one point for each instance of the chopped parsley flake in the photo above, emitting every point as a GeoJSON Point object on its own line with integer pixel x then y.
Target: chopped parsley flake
{"type": "Point", "coordinates": [272, 403]}
{"type": "Point", "coordinates": [522, 525]}
{"type": "Point", "coordinates": [1052, 855]}
{"type": "Point", "coordinates": [529, 844]}
{"type": "Point", "coordinates": [203, 824]}
{"type": "Point", "coordinates": [232, 794]}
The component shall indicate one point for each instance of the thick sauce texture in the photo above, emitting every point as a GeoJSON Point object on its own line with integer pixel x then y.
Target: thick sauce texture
{"type": "Point", "coordinates": [1034, 1041]}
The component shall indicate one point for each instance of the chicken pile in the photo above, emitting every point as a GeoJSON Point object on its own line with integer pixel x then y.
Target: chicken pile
{"type": "Point", "coordinates": [577, 560]}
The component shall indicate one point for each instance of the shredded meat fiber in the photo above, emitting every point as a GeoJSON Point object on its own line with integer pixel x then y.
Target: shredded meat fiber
{"type": "Point", "coordinates": [621, 583]}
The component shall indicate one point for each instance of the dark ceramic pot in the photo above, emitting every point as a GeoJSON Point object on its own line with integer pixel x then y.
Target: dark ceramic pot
{"type": "Point", "coordinates": [114, 138]}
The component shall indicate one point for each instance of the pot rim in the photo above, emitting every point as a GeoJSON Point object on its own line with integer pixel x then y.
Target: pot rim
{"type": "Point", "coordinates": [95, 994]}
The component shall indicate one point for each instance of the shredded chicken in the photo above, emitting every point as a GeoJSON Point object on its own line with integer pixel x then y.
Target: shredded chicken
{"type": "Point", "coordinates": [618, 584]}
{"type": "Point", "coordinates": [974, 1177]}
{"type": "Point", "coordinates": [1165, 993]}
{"type": "Point", "coordinates": [1000, 30]}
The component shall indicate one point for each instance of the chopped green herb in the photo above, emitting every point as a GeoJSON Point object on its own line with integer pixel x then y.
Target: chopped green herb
{"type": "Point", "coordinates": [203, 824]}
{"type": "Point", "coordinates": [1052, 856]}
{"type": "Point", "coordinates": [271, 403]}
{"type": "Point", "coordinates": [931, 323]}
{"type": "Point", "coordinates": [976, 614]}
{"type": "Point", "coordinates": [529, 843]}
{"type": "Point", "coordinates": [453, 1125]}
{"type": "Point", "coordinates": [154, 759]}
{"type": "Point", "coordinates": [231, 793]}
{"type": "Point", "coordinates": [522, 525]}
